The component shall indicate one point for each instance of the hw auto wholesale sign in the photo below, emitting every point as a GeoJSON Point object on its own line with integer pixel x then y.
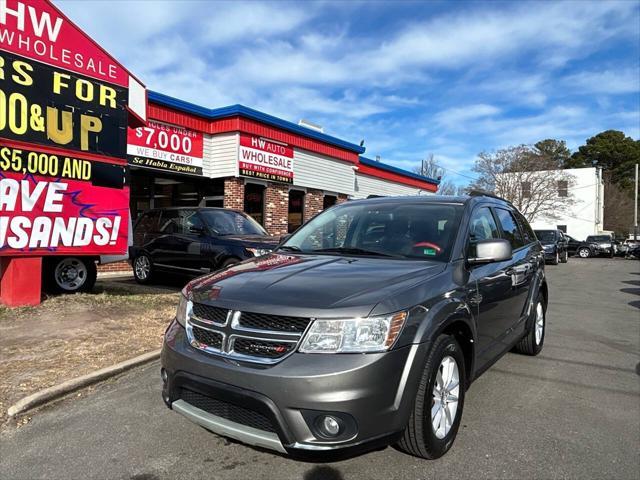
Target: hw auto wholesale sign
{"type": "Point", "coordinates": [166, 147]}
{"type": "Point", "coordinates": [64, 109]}
{"type": "Point", "coordinates": [265, 159]}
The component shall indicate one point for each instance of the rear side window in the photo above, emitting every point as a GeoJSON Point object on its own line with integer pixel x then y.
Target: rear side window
{"type": "Point", "coordinates": [147, 223]}
{"type": "Point", "coordinates": [171, 222]}
{"type": "Point", "coordinates": [525, 228]}
{"type": "Point", "coordinates": [510, 228]}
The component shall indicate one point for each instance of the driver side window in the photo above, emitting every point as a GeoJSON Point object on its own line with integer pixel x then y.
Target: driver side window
{"type": "Point", "coordinates": [481, 227]}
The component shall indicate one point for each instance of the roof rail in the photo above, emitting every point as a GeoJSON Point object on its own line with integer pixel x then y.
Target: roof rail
{"type": "Point", "coordinates": [374, 196]}
{"type": "Point", "coordinates": [483, 193]}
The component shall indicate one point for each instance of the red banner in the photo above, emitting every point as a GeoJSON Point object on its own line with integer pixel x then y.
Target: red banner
{"type": "Point", "coordinates": [37, 30]}
{"type": "Point", "coordinates": [84, 208]}
{"type": "Point", "coordinates": [166, 147]}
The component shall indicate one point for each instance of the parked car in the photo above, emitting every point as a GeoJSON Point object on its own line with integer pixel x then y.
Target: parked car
{"type": "Point", "coordinates": [194, 241]}
{"type": "Point", "coordinates": [554, 244]}
{"type": "Point", "coordinates": [365, 327]}
{"type": "Point", "coordinates": [572, 244]}
{"type": "Point", "coordinates": [596, 245]}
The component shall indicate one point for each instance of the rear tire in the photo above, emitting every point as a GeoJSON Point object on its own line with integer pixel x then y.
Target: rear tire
{"type": "Point", "coordinates": [533, 341]}
{"type": "Point", "coordinates": [435, 397]}
{"type": "Point", "coordinates": [584, 252]}
{"type": "Point", "coordinates": [69, 274]}
{"type": "Point", "coordinates": [142, 269]}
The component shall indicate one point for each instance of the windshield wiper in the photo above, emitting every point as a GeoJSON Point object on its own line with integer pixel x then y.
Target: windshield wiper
{"type": "Point", "coordinates": [290, 248]}
{"type": "Point", "coordinates": [354, 251]}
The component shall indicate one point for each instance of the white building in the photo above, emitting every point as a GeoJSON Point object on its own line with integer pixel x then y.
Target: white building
{"type": "Point", "coordinates": [585, 216]}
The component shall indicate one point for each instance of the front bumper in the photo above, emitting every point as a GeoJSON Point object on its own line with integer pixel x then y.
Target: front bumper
{"type": "Point", "coordinates": [371, 393]}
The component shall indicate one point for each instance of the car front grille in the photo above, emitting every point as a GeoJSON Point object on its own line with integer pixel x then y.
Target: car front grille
{"type": "Point", "coordinates": [229, 411]}
{"type": "Point", "coordinates": [212, 314]}
{"type": "Point", "coordinates": [262, 348]}
{"type": "Point", "coordinates": [261, 321]}
{"type": "Point", "coordinates": [207, 337]}
{"type": "Point", "coordinates": [247, 336]}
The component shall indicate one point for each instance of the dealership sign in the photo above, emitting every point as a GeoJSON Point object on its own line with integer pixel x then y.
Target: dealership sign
{"type": "Point", "coordinates": [265, 159]}
{"type": "Point", "coordinates": [65, 105]}
{"type": "Point", "coordinates": [166, 147]}
{"type": "Point", "coordinates": [78, 205]}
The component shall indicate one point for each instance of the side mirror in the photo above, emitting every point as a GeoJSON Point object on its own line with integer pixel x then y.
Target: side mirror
{"type": "Point", "coordinates": [493, 250]}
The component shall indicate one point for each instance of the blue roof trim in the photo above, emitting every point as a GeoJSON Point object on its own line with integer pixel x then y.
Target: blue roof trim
{"type": "Point", "coordinates": [399, 171]}
{"type": "Point", "coordinates": [230, 111]}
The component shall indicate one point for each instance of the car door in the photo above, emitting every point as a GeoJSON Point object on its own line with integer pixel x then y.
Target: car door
{"type": "Point", "coordinates": [521, 269]}
{"type": "Point", "coordinates": [178, 247]}
{"type": "Point", "coordinates": [494, 287]}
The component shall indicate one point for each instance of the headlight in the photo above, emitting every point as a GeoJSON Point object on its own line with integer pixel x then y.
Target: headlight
{"type": "Point", "coordinates": [258, 252]}
{"type": "Point", "coordinates": [184, 307]}
{"type": "Point", "coordinates": [351, 335]}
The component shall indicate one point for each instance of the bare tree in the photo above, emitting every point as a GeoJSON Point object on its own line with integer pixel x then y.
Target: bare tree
{"type": "Point", "coordinates": [429, 168]}
{"type": "Point", "coordinates": [530, 181]}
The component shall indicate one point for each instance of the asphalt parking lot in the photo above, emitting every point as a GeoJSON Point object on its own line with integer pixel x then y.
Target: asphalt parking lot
{"type": "Point", "coordinates": [572, 412]}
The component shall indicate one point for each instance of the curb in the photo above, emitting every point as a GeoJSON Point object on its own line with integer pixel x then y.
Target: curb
{"type": "Point", "coordinates": [57, 391]}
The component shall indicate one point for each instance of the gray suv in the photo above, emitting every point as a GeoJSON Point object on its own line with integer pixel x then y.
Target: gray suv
{"type": "Point", "coordinates": [364, 328]}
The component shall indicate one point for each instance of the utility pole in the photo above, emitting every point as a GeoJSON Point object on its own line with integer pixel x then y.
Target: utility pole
{"type": "Point", "coordinates": [635, 210]}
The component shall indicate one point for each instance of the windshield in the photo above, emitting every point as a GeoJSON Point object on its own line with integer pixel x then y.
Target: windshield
{"type": "Point", "coordinates": [598, 238]}
{"type": "Point", "coordinates": [395, 230]}
{"type": "Point", "coordinates": [546, 236]}
{"type": "Point", "coordinates": [228, 222]}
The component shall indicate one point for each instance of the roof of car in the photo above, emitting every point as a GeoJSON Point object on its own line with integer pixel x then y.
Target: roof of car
{"type": "Point", "coordinates": [461, 199]}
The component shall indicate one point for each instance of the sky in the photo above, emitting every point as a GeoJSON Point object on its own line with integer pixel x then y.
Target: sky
{"type": "Point", "coordinates": [450, 79]}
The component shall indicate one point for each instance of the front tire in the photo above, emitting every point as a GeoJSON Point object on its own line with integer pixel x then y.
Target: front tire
{"type": "Point", "coordinates": [584, 252]}
{"type": "Point", "coordinates": [533, 341]}
{"type": "Point", "coordinates": [438, 405]}
{"type": "Point", "coordinates": [142, 269]}
{"type": "Point", "coordinates": [565, 257]}
{"type": "Point", "coordinates": [556, 259]}
{"type": "Point", "coordinates": [70, 274]}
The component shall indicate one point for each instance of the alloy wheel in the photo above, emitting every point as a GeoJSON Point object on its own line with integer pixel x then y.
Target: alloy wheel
{"type": "Point", "coordinates": [143, 267]}
{"type": "Point", "coordinates": [584, 253]}
{"type": "Point", "coordinates": [539, 326]}
{"type": "Point", "coordinates": [445, 397]}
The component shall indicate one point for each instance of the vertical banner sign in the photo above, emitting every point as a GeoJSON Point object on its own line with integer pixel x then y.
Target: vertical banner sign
{"type": "Point", "coordinates": [266, 159]}
{"type": "Point", "coordinates": [166, 147]}
{"type": "Point", "coordinates": [65, 105]}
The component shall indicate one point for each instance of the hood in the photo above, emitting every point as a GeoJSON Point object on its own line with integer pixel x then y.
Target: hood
{"type": "Point", "coordinates": [310, 285]}
{"type": "Point", "coordinates": [252, 240]}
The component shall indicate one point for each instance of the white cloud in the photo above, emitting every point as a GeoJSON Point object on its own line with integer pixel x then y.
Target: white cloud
{"type": "Point", "coordinates": [457, 117]}
{"type": "Point", "coordinates": [609, 82]}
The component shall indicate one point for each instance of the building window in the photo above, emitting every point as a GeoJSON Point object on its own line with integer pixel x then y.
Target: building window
{"type": "Point", "coordinates": [526, 189]}
{"type": "Point", "coordinates": [296, 209]}
{"type": "Point", "coordinates": [329, 201]}
{"type": "Point", "coordinates": [254, 201]}
{"type": "Point", "coordinates": [562, 228]}
{"type": "Point", "coordinates": [563, 188]}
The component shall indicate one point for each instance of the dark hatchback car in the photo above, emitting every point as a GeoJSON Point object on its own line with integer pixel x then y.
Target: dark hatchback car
{"type": "Point", "coordinates": [194, 241]}
{"type": "Point", "coordinates": [555, 246]}
{"type": "Point", "coordinates": [365, 327]}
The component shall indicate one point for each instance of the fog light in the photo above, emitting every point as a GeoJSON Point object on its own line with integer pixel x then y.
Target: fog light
{"type": "Point", "coordinates": [163, 375]}
{"type": "Point", "coordinates": [330, 426]}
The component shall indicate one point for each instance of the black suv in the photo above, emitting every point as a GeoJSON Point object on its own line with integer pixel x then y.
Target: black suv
{"type": "Point", "coordinates": [555, 246]}
{"type": "Point", "coordinates": [194, 241]}
{"type": "Point", "coordinates": [365, 327]}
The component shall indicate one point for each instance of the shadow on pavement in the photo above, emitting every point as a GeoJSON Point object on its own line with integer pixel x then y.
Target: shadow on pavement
{"type": "Point", "coordinates": [323, 472]}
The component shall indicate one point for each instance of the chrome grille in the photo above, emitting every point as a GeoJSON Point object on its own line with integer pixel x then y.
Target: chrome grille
{"type": "Point", "coordinates": [260, 321]}
{"type": "Point", "coordinates": [248, 336]}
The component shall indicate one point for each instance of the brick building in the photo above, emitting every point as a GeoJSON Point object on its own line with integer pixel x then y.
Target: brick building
{"type": "Point", "coordinates": [279, 172]}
